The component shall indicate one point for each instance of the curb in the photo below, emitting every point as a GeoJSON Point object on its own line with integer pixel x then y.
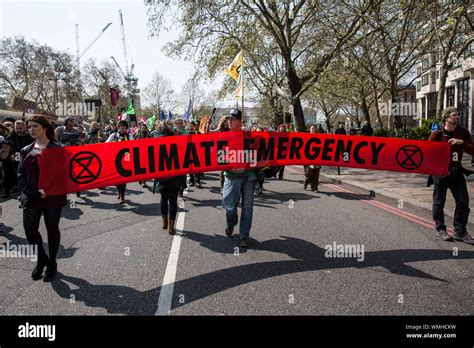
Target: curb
{"type": "Point", "coordinates": [389, 197]}
{"type": "Point", "coordinates": [394, 198]}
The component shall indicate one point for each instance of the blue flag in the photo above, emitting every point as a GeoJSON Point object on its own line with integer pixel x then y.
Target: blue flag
{"type": "Point", "coordinates": [162, 115]}
{"type": "Point", "coordinates": [170, 116]}
{"type": "Point", "coordinates": [190, 109]}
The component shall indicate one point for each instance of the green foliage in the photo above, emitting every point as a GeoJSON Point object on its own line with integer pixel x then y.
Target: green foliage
{"type": "Point", "coordinates": [416, 133]}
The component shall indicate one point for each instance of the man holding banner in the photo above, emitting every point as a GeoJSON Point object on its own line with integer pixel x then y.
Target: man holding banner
{"type": "Point", "coordinates": [237, 182]}
{"type": "Point", "coordinates": [460, 140]}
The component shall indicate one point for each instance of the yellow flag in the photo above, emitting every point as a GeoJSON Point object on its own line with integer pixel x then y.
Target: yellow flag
{"type": "Point", "coordinates": [238, 90]}
{"type": "Point", "coordinates": [234, 68]}
{"type": "Point", "coordinates": [203, 124]}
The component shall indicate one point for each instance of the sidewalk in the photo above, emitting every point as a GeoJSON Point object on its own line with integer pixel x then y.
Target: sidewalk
{"type": "Point", "coordinates": [409, 188]}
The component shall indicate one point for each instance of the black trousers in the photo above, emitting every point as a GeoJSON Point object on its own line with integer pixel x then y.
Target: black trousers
{"type": "Point", "coordinates": [457, 186]}
{"type": "Point", "coordinates": [9, 174]}
{"type": "Point", "coordinates": [121, 190]}
{"type": "Point", "coordinates": [195, 178]}
{"type": "Point", "coordinates": [280, 172]}
{"type": "Point", "coordinates": [31, 220]}
{"type": "Point", "coordinates": [311, 177]}
{"type": "Point", "coordinates": [169, 202]}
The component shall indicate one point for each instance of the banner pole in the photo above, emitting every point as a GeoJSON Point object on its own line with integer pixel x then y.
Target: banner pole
{"type": "Point", "coordinates": [242, 82]}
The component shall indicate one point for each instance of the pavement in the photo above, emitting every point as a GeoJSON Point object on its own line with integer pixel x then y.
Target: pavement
{"type": "Point", "coordinates": [401, 189]}
{"type": "Point", "coordinates": [116, 260]}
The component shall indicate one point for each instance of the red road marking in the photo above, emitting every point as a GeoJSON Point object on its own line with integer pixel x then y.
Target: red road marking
{"type": "Point", "coordinates": [395, 211]}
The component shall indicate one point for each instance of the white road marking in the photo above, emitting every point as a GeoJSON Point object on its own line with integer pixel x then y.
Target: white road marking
{"type": "Point", "coordinates": [167, 287]}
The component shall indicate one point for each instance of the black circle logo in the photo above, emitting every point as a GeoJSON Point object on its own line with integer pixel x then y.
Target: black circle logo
{"type": "Point", "coordinates": [409, 157]}
{"type": "Point", "coordinates": [84, 167]}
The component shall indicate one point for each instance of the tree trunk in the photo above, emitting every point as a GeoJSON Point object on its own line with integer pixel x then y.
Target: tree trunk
{"type": "Point", "coordinates": [328, 124]}
{"type": "Point", "coordinates": [365, 109]}
{"type": "Point", "coordinates": [377, 110]}
{"type": "Point", "coordinates": [443, 75]}
{"type": "Point", "coordinates": [294, 85]}
{"type": "Point", "coordinates": [397, 121]}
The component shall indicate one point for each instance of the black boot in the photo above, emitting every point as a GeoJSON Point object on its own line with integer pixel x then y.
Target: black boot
{"type": "Point", "coordinates": [51, 271]}
{"type": "Point", "coordinates": [37, 272]}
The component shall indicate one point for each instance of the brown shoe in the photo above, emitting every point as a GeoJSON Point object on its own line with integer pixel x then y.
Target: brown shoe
{"type": "Point", "coordinates": [165, 222]}
{"type": "Point", "coordinates": [171, 229]}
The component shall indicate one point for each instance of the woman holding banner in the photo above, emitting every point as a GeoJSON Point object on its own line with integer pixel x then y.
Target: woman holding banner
{"type": "Point", "coordinates": [167, 187]}
{"type": "Point", "coordinates": [35, 202]}
{"type": "Point", "coordinates": [121, 135]}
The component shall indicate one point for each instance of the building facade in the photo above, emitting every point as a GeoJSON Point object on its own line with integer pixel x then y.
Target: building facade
{"type": "Point", "coordinates": [459, 90]}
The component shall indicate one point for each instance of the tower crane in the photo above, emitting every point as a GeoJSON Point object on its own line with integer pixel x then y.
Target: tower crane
{"type": "Point", "coordinates": [79, 55]}
{"type": "Point", "coordinates": [131, 81]}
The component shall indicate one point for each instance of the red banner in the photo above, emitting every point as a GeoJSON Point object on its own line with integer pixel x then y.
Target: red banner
{"type": "Point", "coordinates": [79, 168]}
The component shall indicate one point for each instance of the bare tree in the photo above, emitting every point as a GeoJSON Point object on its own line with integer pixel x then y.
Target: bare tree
{"type": "Point", "coordinates": [159, 94]}
{"type": "Point", "coordinates": [307, 34]}
{"type": "Point", "coordinates": [37, 72]}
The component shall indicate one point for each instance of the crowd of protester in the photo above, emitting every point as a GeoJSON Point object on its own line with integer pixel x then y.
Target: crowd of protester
{"type": "Point", "coordinates": [21, 142]}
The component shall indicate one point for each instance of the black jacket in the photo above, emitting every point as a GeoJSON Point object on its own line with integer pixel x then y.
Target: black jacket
{"type": "Point", "coordinates": [17, 143]}
{"type": "Point", "coordinates": [28, 192]}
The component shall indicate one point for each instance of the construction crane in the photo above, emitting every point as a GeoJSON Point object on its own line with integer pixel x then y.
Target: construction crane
{"type": "Point", "coordinates": [131, 81]}
{"type": "Point", "coordinates": [79, 55]}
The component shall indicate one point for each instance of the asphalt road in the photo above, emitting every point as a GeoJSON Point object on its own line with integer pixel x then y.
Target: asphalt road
{"type": "Point", "coordinates": [114, 259]}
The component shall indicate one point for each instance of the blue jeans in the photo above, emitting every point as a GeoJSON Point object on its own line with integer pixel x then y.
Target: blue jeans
{"type": "Point", "coordinates": [233, 187]}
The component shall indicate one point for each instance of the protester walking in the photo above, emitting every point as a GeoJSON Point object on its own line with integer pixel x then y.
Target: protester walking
{"type": "Point", "coordinates": [460, 140]}
{"type": "Point", "coordinates": [35, 202]}
{"type": "Point", "coordinates": [238, 182]}
{"type": "Point", "coordinates": [121, 135]}
{"type": "Point", "coordinates": [194, 179]}
{"type": "Point", "coordinates": [281, 128]}
{"type": "Point", "coordinates": [311, 172]}
{"type": "Point", "coordinates": [168, 188]}
{"type": "Point", "coordinates": [16, 141]}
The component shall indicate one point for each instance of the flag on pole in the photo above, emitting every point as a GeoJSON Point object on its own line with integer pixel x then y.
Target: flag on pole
{"type": "Point", "coordinates": [203, 124]}
{"type": "Point", "coordinates": [185, 116]}
{"type": "Point", "coordinates": [190, 109]}
{"type": "Point", "coordinates": [234, 68]}
{"type": "Point", "coordinates": [170, 115]}
{"type": "Point", "coordinates": [131, 107]}
{"type": "Point", "coordinates": [114, 96]}
{"type": "Point", "coordinates": [141, 120]}
{"type": "Point", "coordinates": [238, 90]}
{"type": "Point", "coordinates": [162, 115]}
{"type": "Point", "coordinates": [150, 123]}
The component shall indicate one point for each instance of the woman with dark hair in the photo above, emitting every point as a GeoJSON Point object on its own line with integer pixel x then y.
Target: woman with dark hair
{"type": "Point", "coordinates": [121, 135]}
{"type": "Point", "coordinates": [35, 202]}
{"type": "Point", "coordinates": [167, 187]}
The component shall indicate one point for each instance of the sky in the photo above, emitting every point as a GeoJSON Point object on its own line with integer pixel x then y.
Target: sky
{"type": "Point", "coordinates": [52, 22]}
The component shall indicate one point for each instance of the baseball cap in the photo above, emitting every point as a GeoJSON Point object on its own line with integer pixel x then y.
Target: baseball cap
{"type": "Point", "coordinates": [234, 113]}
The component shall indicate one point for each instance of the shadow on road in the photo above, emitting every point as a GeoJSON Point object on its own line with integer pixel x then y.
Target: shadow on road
{"type": "Point", "coordinates": [115, 299]}
{"type": "Point", "coordinates": [307, 257]}
{"type": "Point", "coordinates": [63, 253]}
